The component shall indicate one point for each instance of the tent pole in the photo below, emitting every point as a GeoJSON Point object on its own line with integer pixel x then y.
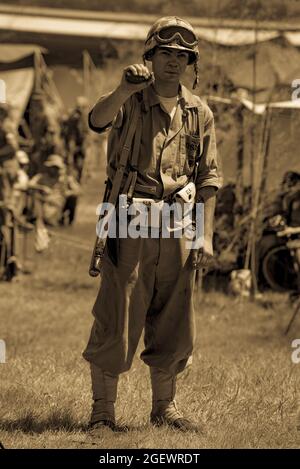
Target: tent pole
{"type": "Point", "coordinates": [38, 71]}
{"type": "Point", "coordinates": [252, 175]}
{"type": "Point", "coordinates": [250, 261]}
{"type": "Point", "coordinates": [52, 87]}
{"type": "Point", "coordinates": [86, 75]}
{"type": "Point", "coordinates": [266, 143]}
{"type": "Point", "coordinates": [240, 155]}
{"type": "Point", "coordinates": [258, 188]}
{"type": "Point", "coordinates": [260, 163]}
{"type": "Point", "coordinates": [215, 53]}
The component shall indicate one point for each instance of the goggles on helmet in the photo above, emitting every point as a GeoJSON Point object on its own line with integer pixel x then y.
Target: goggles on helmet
{"type": "Point", "coordinates": [176, 33]}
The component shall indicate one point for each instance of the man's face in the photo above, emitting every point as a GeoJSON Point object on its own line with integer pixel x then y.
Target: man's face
{"type": "Point", "coordinates": [53, 171]}
{"type": "Point", "coordinates": [169, 64]}
{"type": "Point", "coordinates": [25, 167]}
{"type": "Point", "coordinates": [11, 169]}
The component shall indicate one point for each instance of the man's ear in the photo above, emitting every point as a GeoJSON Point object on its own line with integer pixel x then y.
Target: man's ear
{"type": "Point", "coordinates": [148, 56]}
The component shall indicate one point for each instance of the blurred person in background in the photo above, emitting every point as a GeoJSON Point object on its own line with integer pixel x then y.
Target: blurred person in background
{"type": "Point", "coordinates": [76, 132]}
{"type": "Point", "coordinates": [50, 187]}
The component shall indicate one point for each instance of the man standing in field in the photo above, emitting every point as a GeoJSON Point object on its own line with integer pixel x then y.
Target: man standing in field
{"type": "Point", "coordinates": [148, 282]}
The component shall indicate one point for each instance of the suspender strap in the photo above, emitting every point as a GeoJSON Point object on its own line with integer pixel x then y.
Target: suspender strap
{"type": "Point", "coordinates": [135, 157]}
{"type": "Point", "coordinates": [127, 183]}
{"type": "Point", "coordinates": [200, 112]}
{"type": "Point", "coordinates": [100, 243]}
{"type": "Point", "coordinates": [118, 178]}
{"type": "Point", "coordinates": [201, 126]}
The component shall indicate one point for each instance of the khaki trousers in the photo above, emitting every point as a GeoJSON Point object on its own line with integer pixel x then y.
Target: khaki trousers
{"type": "Point", "coordinates": [150, 288]}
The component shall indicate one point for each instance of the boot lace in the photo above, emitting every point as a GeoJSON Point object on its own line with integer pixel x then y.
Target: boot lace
{"type": "Point", "coordinates": [171, 412]}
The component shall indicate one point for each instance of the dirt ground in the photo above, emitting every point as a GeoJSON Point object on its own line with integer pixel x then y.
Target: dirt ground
{"type": "Point", "coordinates": [243, 385]}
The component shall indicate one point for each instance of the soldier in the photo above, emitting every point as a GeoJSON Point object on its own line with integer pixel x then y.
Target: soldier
{"type": "Point", "coordinates": [77, 131]}
{"type": "Point", "coordinates": [8, 261]}
{"type": "Point", "coordinates": [7, 147]}
{"type": "Point", "coordinates": [51, 185]}
{"type": "Point", "coordinates": [148, 282]}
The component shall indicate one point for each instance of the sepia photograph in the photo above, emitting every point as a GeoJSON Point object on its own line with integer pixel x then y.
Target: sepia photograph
{"type": "Point", "coordinates": [149, 231]}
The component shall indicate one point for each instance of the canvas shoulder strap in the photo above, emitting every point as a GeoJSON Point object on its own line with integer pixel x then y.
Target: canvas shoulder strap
{"type": "Point", "coordinates": [124, 154]}
{"type": "Point", "coordinates": [200, 124]}
{"type": "Point", "coordinates": [133, 168]}
{"type": "Point", "coordinates": [100, 243]}
{"type": "Point", "coordinates": [200, 110]}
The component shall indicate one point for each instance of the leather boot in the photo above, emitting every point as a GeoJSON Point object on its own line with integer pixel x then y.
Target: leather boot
{"type": "Point", "coordinates": [164, 409]}
{"type": "Point", "coordinates": [104, 387]}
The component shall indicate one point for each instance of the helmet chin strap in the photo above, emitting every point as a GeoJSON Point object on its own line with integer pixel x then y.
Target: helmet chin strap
{"type": "Point", "coordinates": [196, 70]}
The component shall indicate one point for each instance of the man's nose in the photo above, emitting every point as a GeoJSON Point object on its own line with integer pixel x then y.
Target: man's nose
{"type": "Point", "coordinates": [174, 61]}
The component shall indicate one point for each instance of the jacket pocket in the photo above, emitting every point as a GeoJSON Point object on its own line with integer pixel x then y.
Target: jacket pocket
{"type": "Point", "coordinates": [189, 151]}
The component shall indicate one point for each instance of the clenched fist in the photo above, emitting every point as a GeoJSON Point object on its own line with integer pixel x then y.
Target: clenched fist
{"type": "Point", "coordinates": [136, 77]}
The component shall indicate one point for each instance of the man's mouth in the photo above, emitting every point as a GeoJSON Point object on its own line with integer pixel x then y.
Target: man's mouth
{"type": "Point", "coordinates": [173, 72]}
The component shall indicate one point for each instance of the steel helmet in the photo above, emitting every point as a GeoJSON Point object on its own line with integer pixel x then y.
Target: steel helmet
{"type": "Point", "coordinates": [54, 160]}
{"type": "Point", "coordinates": [22, 157]}
{"type": "Point", "coordinates": [174, 33]}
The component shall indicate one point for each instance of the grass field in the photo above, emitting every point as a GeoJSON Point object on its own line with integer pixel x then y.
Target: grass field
{"type": "Point", "coordinates": [242, 385]}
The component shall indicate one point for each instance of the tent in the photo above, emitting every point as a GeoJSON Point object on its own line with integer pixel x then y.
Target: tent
{"type": "Point", "coordinates": [258, 146]}
{"type": "Point", "coordinates": [228, 48]}
{"type": "Point", "coordinates": [239, 124]}
{"type": "Point", "coordinates": [17, 73]}
{"type": "Point", "coordinates": [23, 72]}
{"type": "Point", "coordinates": [277, 64]}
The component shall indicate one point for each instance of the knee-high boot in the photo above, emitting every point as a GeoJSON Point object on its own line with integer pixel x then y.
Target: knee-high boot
{"type": "Point", "coordinates": [164, 409]}
{"type": "Point", "coordinates": [163, 389]}
{"type": "Point", "coordinates": [104, 387]}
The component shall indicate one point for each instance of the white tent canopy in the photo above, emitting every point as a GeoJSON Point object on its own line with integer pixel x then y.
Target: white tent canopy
{"type": "Point", "coordinates": [19, 81]}
{"type": "Point", "coordinates": [260, 108]}
{"type": "Point", "coordinates": [21, 68]}
{"type": "Point", "coordinates": [254, 107]}
{"type": "Point", "coordinates": [12, 53]}
{"type": "Point", "coordinates": [19, 85]}
{"type": "Point", "coordinates": [234, 37]}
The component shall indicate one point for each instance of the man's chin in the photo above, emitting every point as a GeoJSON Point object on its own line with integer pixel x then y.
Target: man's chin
{"type": "Point", "coordinates": [172, 76]}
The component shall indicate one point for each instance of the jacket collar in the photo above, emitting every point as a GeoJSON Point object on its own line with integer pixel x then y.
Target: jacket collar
{"type": "Point", "coordinates": [186, 98]}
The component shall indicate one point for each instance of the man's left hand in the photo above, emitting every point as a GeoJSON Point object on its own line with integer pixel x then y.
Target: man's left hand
{"type": "Point", "coordinates": [202, 257]}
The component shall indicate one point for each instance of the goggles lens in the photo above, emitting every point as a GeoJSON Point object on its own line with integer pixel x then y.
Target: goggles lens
{"type": "Point", "coordinates": [171, 33]}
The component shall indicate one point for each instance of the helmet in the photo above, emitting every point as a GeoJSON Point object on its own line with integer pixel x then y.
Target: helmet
{"type": "Point", "coordinates": [22, 157]}
{"type": "Point", "coordinates": [290, 178]}
{"type": "Point", "coordinates": [55, 160]}
{"type": "Point", "coordinates": [82, 102]}
{"type": "Point", "coordinates": [4, 110]}
{"type": "Point", "coordinates": [173, 33]}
